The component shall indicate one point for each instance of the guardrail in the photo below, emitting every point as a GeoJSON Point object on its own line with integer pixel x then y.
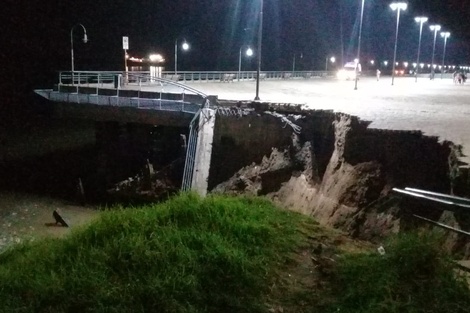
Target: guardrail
{"type": "Point", "coordinates": [109, 77]}
{"type": "Point", "coordinates": [132, 86]}
{"type": "Point", "coordinates": [453, 203]}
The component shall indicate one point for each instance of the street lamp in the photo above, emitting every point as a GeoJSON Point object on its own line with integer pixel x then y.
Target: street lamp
{"type": "Point", "coordinates": [332, 60]}
{"type": "Point", "coordinates": [421, 20]}
{"type": "Point", "coordinates": [185, 47]}
{"type": "Point", "coordinates": [248, 53]}
{"type": "Point", "coordinates": [85, 40]}
{"type": "Point", "coordinates": [359, 46]}
{"type": "Point", "coordinates": [397, 6]}
{"type": "Point", "coordinates": [260, 38]}
{"type": "Point", "coordinates": [435, 29]}
{"type": "Point", "coordinates": [293, 63]}
{"type": "Point", "coordinates": [444, 35]}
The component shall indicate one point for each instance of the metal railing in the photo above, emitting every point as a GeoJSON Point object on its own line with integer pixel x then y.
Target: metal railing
{"type": "Point", "coordinates": [108, 77]}
{"type": "Point", "coordinates": [135, 89]}
{"type": "Point", "coordinates": [191, 152]}
{"type": "Point", "coordinates": [453, 203]}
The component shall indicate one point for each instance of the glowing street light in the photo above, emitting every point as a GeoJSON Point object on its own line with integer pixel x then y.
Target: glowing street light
{"type": "Point", "coordinates": [359, 46]}
{"type": "Point", "coordinates": [85, 40]}
{"type": "Point", "coordinates": [444, 35]}
{"type": "Point", "coordinates": [248, 53]}
{"type": "Point", "coordinates": [332, 60]}
{"type": "Point", "coordinates": [397, 6]}
{"type": "Point", "coordinates": [435, 29]}
{"type": "Point", "coordinates": [184, 46]}
{"type": "Point", "coordinates": [386, 63]}
{"type": "Point", "coordinates": [156, 58]}
{"type": "Point", "coordinates": [260, 39]}
{"type": "Point", "coordinates": [405, 64]}
{"type": "Point", "coordinates": [421, 20]}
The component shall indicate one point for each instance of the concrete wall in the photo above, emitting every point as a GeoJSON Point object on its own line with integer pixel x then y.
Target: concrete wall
{"type": "Point", "coordinates": [240, 141]}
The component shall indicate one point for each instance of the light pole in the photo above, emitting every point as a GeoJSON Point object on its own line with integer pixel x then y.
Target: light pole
{"type": "Point", "coordinates": [359, 46]}
{"type": "Point", "coordinates": [435, 29]}
{"type": "Point", "coordinates": [249, 53]}
{"type": "Point", "coordinates": [185, 47]}
{"type": "Point", "coordinates": [397, 6]}
{"type": "Point", "coordinates": [293, 63]}
{"type": "Point", "coordinates": [260, 38]}
{"type": "Point", "coordinates": [444, 35]}
{"type": "Point", "coordinates": [421, 20]}
{"type": "Point", "coordinates": [332, 60]}
{"type": "Point", "coordinates": [85, 40]}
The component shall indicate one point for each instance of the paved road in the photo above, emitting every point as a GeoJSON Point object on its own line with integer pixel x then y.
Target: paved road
{"type": "Point", "coordinates": [437, 108]}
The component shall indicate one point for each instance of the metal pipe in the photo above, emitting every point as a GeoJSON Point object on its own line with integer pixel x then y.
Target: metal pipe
{"type": "Point", "coordinates": [447, 227]}
{"type": "Point", "coordinates": [435, 199]}
{"type": "Point", "coordinates": [442, 195]}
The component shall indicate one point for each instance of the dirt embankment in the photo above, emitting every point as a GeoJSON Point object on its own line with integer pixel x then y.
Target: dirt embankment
{"type": "Point", "coordinates": [342, 173]}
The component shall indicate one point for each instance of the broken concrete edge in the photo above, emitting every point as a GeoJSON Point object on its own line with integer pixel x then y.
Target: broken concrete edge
{"type": "Point", "coordinates": [361, 172]}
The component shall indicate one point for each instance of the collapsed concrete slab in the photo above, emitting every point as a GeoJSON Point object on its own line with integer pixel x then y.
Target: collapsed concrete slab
{"type": "Point", "coordinates": [335, 168]}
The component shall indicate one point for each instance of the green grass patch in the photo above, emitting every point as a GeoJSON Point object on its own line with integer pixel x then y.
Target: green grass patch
{"type": "Point", "coordinates": [414, 275]}
{"type": "Point", "coordinates": [217, 254]}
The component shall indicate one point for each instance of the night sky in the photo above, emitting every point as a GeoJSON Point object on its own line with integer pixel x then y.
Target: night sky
{"type": "Point", "coordinates": [36, 34]}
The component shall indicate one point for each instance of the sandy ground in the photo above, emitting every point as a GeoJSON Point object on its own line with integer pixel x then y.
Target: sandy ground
{"type": "Point", "coordinates": [27, 217]}
{"type": "Point", "coordinates": [437, 108]}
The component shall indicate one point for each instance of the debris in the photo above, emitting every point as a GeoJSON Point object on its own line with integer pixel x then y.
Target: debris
{"type": "Point", "coordinates": [381, 250]}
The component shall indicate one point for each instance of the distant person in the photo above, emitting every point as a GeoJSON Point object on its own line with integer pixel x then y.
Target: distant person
{"type": "Point", "coordinates": [378, 74]}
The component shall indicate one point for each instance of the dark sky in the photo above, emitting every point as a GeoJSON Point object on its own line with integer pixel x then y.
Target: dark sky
{"type": "Point", "coordinates": [36, 34]}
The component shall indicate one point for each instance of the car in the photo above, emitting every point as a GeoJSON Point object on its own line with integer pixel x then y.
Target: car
{"type": "Point", "coordinates": [399, 72]}
{"type": "Point", "coordinates": [348, 72]}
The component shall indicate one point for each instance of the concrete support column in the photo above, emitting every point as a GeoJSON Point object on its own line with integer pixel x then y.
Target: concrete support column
{"type": "Point", "coordinates": [203, 151]}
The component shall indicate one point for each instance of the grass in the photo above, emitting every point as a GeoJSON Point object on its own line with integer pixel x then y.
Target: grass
{"type": "Point", "coordinates": [189, 254]}
{"type": "Point", "coordinates": [225, 254]}
{"type": "Point", "coordinates": [413, 276]}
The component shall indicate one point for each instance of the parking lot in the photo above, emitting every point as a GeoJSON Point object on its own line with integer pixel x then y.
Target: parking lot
{"type": "Point", "coordinates": [437, 108]}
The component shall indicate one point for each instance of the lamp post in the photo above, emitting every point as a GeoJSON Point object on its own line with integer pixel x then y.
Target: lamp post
{"type": "Point", "coordinates": [421, 20]}
{"type": "Point", "coordinates": [444, 35]}
{"type": "Point", "coordinates": [359, 45]}
{"type": "Point", "coordinates": [85, 40]}
{"type": "Point", "coordinates": [293, 63]}
{"type": "Point", "coordinates": [435, 29]}
{"type": "Point", "coordinates": [260, 38]}
{"type": "Point", "coordinates": [249, 53]}
{"type": "Point", "coordinates": [332, 60]}
{"type": "Point", "coordinates": [397, 6]}
{"type": "Point", "coordinates": [185, 47]}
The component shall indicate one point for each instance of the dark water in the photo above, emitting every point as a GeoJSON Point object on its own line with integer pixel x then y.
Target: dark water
{"type": "Point", "coordinates": [43, 155]}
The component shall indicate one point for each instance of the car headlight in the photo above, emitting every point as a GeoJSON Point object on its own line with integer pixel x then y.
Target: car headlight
{"type": "Point", "coordinates": [342, 74]}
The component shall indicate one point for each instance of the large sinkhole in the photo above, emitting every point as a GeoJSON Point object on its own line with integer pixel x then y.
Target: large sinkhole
{"type": "Point", "coordinates": [328, 165]}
